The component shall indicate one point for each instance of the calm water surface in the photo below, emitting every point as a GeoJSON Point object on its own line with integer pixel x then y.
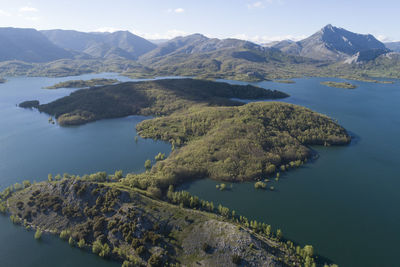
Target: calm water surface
{"type": "Point", "coordinates": [345, 203]}
{"type": "Point", "coordinates": [30, 148]}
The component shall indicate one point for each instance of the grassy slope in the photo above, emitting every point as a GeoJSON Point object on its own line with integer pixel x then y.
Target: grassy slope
{"type": "Point", "coordinates": [124, 219]}
{"type": "Point", "coordinates": [159, 98]}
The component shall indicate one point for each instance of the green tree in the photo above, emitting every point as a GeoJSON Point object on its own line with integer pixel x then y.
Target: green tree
{"type": "Point", "coordinates": [279, 234]}
{"type": "Point", "coordinates": [160, 156]}
{"type": "Point", "coordinates": [26, 184]}
{"type": "Point", "coordinates": [270, 168]}
{"type": "Point", "coordinates": [147, 164]}
{"type": "Point", "coordinates": [64, 234]}
{"type": "Point", "coordinates": [38, 234]}
{"type": "Point", "coordinates": [105, 251]}
{"type": "Point", "coordinates": [97, 246]}
{"type": "Point", "coordinates": [118, 175]}
{"type": "Point", "coordinates": [81, 243]}
{"type": "Point", "coordinates": [71, 241]}
{"type": "Point", "coordinates": [308, 250]}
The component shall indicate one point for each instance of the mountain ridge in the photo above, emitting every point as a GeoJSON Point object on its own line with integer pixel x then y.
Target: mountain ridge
{"type": "Point", "coordinates": [333, 44]}
{"type": "Point", "coordinates": [101, 45]}
{"type": "Point", "coordinates": [29, 45]}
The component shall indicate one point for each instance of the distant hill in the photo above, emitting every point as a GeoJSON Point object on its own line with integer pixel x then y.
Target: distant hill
{"type": "Point", "coordinates": [335, 44]}
{"type": "Point", "coordinates": [196, 44]}
{"type": "Point", "coordinates": [29, 45]}
{"type": "Point", "coordinates": [394, 46]}
{"type": "Point", "coordinates": [197, 55]}
{"type": "Point", "coordinates": [121, 44]}
{"type": "Point", "coordinates": [279, 44]}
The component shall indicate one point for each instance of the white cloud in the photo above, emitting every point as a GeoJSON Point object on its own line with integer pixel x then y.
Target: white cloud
{"type": "Point", "coordinates": [176, 10]}
{"type": "Point", "coordinates": [4, 13]}
{"type": "Point", "coordinates": [166, 35]}
{"type": "Point", "coordinates": [383, 38]}
{"type": "Point", "coordinates": [267, 39]}
{"type": "Point", "coordinates": [255, 5]}
{"type": "Point", "coordinates": [28, 9]}
{"type": "Point", "coordinates": [263, 3]}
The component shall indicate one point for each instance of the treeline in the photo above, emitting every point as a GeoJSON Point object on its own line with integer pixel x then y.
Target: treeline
{"type": "Point", "coordinates": [186, 200]}
{"type": "Point", "coordinates": [83, 83]}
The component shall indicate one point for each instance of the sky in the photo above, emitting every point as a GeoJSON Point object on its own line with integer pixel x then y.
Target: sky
{"type": "Point", "coordinates": [256, 20]}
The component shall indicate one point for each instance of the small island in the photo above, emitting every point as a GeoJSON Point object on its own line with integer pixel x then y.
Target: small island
{"type": "Point", "coordinates": [285, 81]}
{"type": "Point", "coordinates": [344, 85]}
{"type": "Point", "coordinates": [2, 80]}
{"type": "Point", "coordinates": [83, 83]}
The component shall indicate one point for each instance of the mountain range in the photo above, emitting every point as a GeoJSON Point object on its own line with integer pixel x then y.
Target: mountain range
{"type": "Point", "coordinates": [29, 45]}
{"type": "Point", "coordinates": [101, 45]}
{"type": "Point", "coordinates": [193, 55]}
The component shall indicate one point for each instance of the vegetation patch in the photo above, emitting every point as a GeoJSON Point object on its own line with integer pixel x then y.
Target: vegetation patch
{"type": "Point", "coordinates": [284, 81]}
{"type": "Point", "coordinates": [83, 83]}
{"type": "Point", "coordinates": [242, 143]}
{"type": "Point", "coordinates": [345, 85]}
{"type": "Point", "coordinates": [29, 104]}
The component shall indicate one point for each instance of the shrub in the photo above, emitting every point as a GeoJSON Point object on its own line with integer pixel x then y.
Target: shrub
{"type": "Point", "coordinates": [260, 185]}
{"type": "Point", "coordinates": [71, 241]}
{"type": "Point", "coordinates": [97, 246]}
{"type": "Point", "coordinates": [38, 234]}
{"type": "Point", "coordinates": [81, 243]}
{"type": "Point", "coordinates": [147, 164]}
{"type": "Point", "coordinates": [64, 234]}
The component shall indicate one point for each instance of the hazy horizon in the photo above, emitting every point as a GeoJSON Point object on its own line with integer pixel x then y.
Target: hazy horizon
{"type": "Point", "coordinates": [258, 21]}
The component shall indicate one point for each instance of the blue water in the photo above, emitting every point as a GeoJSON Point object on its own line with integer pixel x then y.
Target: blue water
{"type": "Point", "coordinates": [31, 148]}
{"type": "Point", "coordinates": [346, 203]}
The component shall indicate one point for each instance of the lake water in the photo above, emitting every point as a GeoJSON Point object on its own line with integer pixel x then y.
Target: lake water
{"type": "Point", "coordinates": [31, 147]}
{"type": "Point", "coordinates": [345, 203]}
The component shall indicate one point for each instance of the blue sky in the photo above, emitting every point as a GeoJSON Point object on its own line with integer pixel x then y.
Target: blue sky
{"type": "Point", "coordinates": [256, 20]}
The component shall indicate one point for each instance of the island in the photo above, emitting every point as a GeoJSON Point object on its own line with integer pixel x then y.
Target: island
{"type": "Point", "coordinates": [344, 85]}
{"type": "Point", "coordinates": [155, 98]}
{"type": "Point", "coordinates": [285, 81]}
{"type": "Point", "coordinates": [2, 80]}
{"type": "Point", "coordinates": [83, 83]}
{"type": "Point", "coordinates": [98, 212]}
